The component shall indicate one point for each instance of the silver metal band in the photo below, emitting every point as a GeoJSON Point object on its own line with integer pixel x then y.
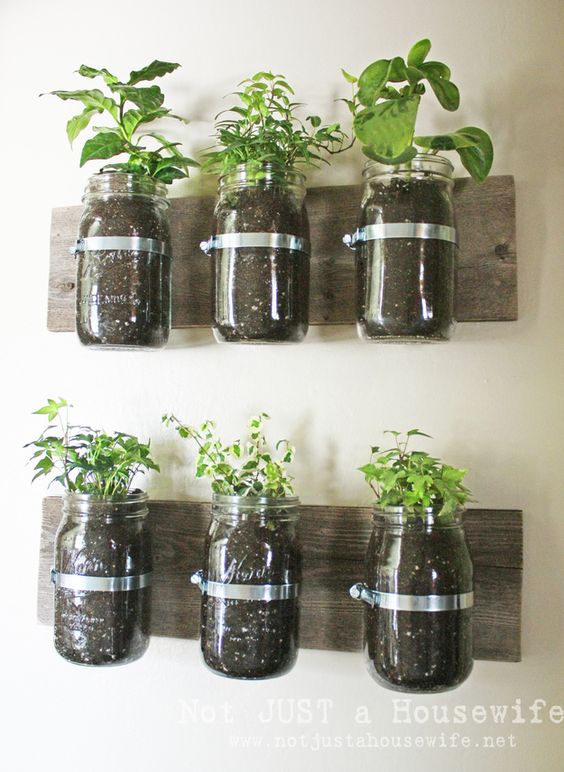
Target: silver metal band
{"type": "Point", "coordinates": [264, 592]}
{"type": "Point", "coordinates": [130, 243]}
{"type": "Point", "coordinates": [100, 583]}
{"type": "Point", "coordinates": [401, 230]}
{"type": "Point", "coordinates": [273, 240]}
{"type": "Point", "coordinates": [399, 602]}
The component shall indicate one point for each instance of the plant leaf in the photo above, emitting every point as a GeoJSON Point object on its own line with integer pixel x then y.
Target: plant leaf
{"type": "Point", "coordinates": [92, 72]}
{"type": "Point", "coordinates": [435, 70]}
{"type": "Point", "coordinates": [408, 154]}
{"type": "Point", "coordinates": [414, 75]}
{"type": "Point", "coordinates": [147, 99]}
{"type": "Point", "coordinates": [154, 70]}
{"type": "Point", "coordinates": [474, 147]}
{"type": "Point", "coordinates": [102, 146]}
{"type": "Point", "coordinates": [418, 52]}
{"type": "Point", "coordinates": [79, 123]}
{"type": "Point", "coordinates": [452, 141]}
{"type": "Point", "coordinates": [348, 77]}
{"type": "Point", "coordinates": [446, 92]}
{"type": "Point", "coordinates": [134, 118]}
{"type": "Point", "coordinates": [371, 81]}
{"type": "Point", "coordinates": [386, 130]}
{"type": "Point", "coordinates": [398, 70]}
{"type": "Point", "coordinates": [93, 99]}
{"type": "Point", "coordinates": [477, 160]}
{"type": "Point", "coordinates": [169, 174]}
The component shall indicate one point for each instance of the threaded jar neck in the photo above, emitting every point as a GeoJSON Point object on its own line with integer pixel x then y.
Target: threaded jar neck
{"type": "Point", "coordinates": [245, 507]}
{"type": "Point", "coordinates": [111, 184]}
{"type": "Point", "coordinates": [252, 175]}
{"type": "Point", "coordinates": [424, 165]}
{"type": "Point", "coordinates": [429, 517]}
{"type": "Point", "coordinates": [86, 506]}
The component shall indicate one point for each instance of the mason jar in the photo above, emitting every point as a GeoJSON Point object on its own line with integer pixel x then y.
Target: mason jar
{"type": "Point", "coordinates": [260, 252]}
{"type": "Point", "coordinates": [406, 252]}
{"type": "Point", "coordinates": [123, 263]}
{"type": "Point", "coordinates": [419, 595]}
{"type": "Point", "coordinates": [102, 578]}
{"type": "Point", "coordinates": [249, 584]}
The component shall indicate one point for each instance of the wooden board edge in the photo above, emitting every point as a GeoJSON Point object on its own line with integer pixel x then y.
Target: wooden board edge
{"type": "Point", "coordinates": [44, 609]}
{"type": "Point", "coordinates": [55, 325]}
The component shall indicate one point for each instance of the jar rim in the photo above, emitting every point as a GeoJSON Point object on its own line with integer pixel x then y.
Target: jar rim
{"type": "Point", "coordinates": [131, 183]}
{"type": "Point", "coordinates": [133, 496]}
{"type": "Point", "coordinates": [255, 501]}
{"type": "Point", "coordinates": [246, 172]}
{"type": "Point", "coordinates": [437, 164]}
{"type": "Point", "coordinates": [428, 515]}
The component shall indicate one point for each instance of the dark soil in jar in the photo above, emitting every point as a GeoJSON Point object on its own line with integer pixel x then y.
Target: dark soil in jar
{"type": "Point", "coordinates": [252, 639]}
{"type": "Point", "coordinates": [421, 652]}
{"type": "Point", "coordinates": [261, 294]}
{"type": "Point", "coordinates": [103, 628]}
{"type": "Point", "coordinates": [405, 287]}
{"type": "Point", "coordinates": [123, 296]}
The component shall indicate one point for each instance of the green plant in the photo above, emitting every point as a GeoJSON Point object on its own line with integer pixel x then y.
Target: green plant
{"type": "Point", "coordinates": [413, 479]}
{"type": "Point", "coordinates": [385, 112]}
{"type": "Point", "coordinates": [266, 130]}
{"type": "Point", "coordinates": [240, 468]}
{"type": "Point", "coordinates": [85, 460]}
{"type": "Point", "coordinates": [131, 107]}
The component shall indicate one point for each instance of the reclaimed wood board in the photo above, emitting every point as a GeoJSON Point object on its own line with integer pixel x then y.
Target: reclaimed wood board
{"type": "Point", "coordinates": [334, 541]}
{"type": "Point", "coordinates": [487, 276]}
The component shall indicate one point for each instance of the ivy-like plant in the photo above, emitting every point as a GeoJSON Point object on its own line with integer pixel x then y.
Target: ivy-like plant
{"type": "Point", "coordinates": [385, 112]}
{"type": "Point", "coordinates": [131, 108]}
{"type": "Point", "coordinates": [239, 468]}
{"type": "Point", "coordinates": [85, 460]}
{"type": "Point", "coordinates": [265, 130]}
{"type": "Point", "coordinates": [413, 479]}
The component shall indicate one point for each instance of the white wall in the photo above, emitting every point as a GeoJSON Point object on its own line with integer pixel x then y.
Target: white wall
{"type": "Point", "coordinates": [492, 397]}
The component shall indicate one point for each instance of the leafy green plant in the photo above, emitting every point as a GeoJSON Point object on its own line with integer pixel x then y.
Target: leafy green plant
{"type": "Point", "coordinates": [385, 112]}
{"type": "Point", "coordinates": [265, 129]}
{"type": "Point", "coordinates": [85, 460]}
{"type": "Point", "coordinates": [239, 468]}
{"type": "Point", "coordinates": [131, 108]}
{"type": "Point", "coordinates": [413, 479]}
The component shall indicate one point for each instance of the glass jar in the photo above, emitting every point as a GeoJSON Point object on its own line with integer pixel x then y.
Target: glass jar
{"type": "Point", "coordinates": [123, 263]}
{"type": "Point", "coordinates": [406, 252]}
{"type": "Point", "coordinates": [260, 254]}
{"type": "Point", "coordinates": [102, 579]}
{"type": "Point", "coordinates": [249, 584]}
{"type": "Point", "coordinates": [419, 592]}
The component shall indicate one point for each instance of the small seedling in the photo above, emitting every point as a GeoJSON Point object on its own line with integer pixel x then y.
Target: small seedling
{"type": "Point", "coordinates": [85, 460]}
{"type": "Point", "coordinates": [413, 479]}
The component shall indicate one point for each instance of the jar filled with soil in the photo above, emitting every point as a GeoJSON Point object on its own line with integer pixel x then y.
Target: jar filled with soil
{"type": "Point", "coordinates": [249, 585]}
{"type": "Point", "coordinates": [260, 252]}
{"type": "Point", "coordinates": [123, 263]}
{"type": "Point", "coordinates": [406, 252]}
{"type": "Point", "coordinates": [419, 596]}
{"type": "Point", "coordinates": [102, 579]}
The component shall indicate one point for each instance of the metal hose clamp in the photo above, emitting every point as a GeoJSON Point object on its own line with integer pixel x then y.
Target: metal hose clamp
{"type": "Point", "coordinates": [401, 230]}
{"type": "Point", "coordinates": [227, 591]}
{"type": "Point", "coordinates": [101, 583]}
{"type": "Point", "coordinates": [127, 243]}
{"type": "Point", "coordinates": [259, 239]}
{"type": "Point", "coordinates": [401, 602]}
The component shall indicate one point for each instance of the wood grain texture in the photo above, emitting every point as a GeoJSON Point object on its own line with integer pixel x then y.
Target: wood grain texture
{"type": "Point", "coordinates": [334, 541]}
{"type": "Point", "coordinates": [487, 283]}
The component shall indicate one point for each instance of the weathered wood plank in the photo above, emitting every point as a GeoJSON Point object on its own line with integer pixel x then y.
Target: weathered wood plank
{"type": "Point", "coordinates": [487, 287]}
{"type": "Point", "coordinates": [334, 542]}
